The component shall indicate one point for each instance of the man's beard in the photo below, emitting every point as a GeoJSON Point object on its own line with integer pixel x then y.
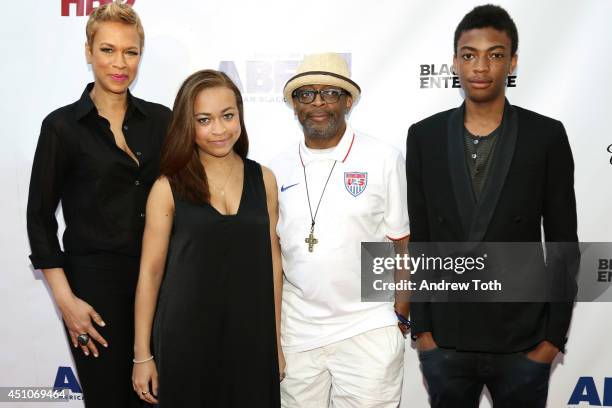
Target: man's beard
{"type": "Point", "coordinates": [314, 131]}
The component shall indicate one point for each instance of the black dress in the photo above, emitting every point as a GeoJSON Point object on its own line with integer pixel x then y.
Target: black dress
{"type": "Point", "coordinates": [214, 332]}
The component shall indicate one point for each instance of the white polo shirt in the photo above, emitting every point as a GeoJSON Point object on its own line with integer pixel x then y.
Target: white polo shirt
{"type": "Point", "coordinates": [365, 200]}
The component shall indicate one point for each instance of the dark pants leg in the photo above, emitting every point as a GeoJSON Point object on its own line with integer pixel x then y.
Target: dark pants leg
{"type": "Point", "coordinates": [518, 381]}
{"type": "Point", "coordinates": [452, 378]}
{"type": "Point", "coordinates": [108, 285]}
{"type": "Point", "coordinates": [455, 379]}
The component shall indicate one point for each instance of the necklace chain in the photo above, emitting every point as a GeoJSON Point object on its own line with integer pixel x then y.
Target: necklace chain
{"type": "Point", "coordinates": [222, 188]}
{"type": "Point", "coordinates": [313, 218]}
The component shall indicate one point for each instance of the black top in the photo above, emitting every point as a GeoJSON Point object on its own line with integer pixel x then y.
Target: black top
{"type": "Point", "coordinates": [218, 294]}
{"type": "Point", "coordinates": [103, 191]}
{"type": "Point", "coordinates": [530, 185]}
{"type": "Point", "coordinates": [478, 155]}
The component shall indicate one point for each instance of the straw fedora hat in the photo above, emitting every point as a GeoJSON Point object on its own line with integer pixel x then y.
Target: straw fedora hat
{"type": "Point", "coordinates": [322, 69]}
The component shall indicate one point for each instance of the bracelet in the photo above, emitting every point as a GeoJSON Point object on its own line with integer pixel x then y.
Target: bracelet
{"type": "Point", "coordinates": [142, 361]}
{"type": "Point", "coordinates": [403, 320]}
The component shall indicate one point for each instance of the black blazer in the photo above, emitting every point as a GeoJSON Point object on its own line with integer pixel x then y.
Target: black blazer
{"type": "Point", "coordinates": [530, 184]}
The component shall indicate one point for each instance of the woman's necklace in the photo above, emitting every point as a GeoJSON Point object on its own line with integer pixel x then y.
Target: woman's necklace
{"type": "Point", "coordinates": [222, 188]}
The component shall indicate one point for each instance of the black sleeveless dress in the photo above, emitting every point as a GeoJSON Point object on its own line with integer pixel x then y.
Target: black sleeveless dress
{"type": "Point", "coordinates": [214, 331]}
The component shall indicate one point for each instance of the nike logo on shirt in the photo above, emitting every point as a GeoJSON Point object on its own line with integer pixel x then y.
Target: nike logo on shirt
{"type": "Point", "coordinates": [283, 188]}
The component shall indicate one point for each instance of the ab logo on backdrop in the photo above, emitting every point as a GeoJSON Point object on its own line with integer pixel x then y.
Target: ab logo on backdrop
{"type": "Point", "coordinates": [85, 7]}
{"type": "Point", "coordinates": [266, 75]}
{"type": "Point", "coordinates": [263, 76]}
{"type": "Point", "coordinates": [586, 391]}
{"type": "Point", "coordinates": [65, 379]}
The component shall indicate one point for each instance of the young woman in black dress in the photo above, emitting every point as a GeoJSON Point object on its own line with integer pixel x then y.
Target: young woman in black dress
{"type": "Point", "coordinates": [99, 157]}
{"type": "Point", "coordinates": [210, 243]}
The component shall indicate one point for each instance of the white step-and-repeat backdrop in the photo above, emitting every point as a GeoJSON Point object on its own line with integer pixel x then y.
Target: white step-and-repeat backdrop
{"type": "Point", "coordinates": [400, 53]}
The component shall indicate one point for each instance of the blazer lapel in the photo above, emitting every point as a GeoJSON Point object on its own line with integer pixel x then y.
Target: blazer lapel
{"type": "Point", "coordinates": [460, 177]}
{"type": "Point", "coordinates": [502, 158]}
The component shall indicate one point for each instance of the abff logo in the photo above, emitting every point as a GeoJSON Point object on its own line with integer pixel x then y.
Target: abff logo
{"type": "Point", "coordinates": [85, 7]}
{"type": "Point", "coordinates": [264, 76]}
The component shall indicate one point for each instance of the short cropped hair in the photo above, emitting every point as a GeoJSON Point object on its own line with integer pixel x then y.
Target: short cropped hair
{"type": "Point", "coordinates": [114, 11]}
{"type": "Point", "coordinates": [488, 16]}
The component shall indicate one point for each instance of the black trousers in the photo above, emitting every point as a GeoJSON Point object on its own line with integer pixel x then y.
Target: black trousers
{"type": "Point", "coordinates": [108, 284]}
{"type": "Point", "coordinates": [456, 379]}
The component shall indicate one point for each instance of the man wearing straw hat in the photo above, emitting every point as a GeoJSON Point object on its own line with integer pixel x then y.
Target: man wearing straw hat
{"type": "Point", "coordinates": [337, 188]}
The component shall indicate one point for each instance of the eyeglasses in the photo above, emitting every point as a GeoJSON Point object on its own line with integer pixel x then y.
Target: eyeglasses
{"type": "Point", "coordinates": [329, 95]}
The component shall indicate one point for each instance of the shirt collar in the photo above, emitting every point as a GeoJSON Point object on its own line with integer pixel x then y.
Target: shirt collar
{"type": "Point", "coordinates": [340, 153]}
{"type": "Point", "coordinates": [85, 105]}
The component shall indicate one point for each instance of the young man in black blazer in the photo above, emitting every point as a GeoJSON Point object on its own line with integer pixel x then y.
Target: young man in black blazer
{"type": "Point", "coordinates": [489, 171]}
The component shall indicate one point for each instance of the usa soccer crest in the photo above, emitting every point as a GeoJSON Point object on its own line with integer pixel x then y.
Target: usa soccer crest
{"type": "Point", "coordinates": [355, 182]}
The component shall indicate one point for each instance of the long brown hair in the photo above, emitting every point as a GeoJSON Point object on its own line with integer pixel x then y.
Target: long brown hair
{"type": "Point", "coordinates": [180, 161]}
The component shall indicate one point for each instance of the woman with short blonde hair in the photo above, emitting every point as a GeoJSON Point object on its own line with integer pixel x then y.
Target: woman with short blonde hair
{"type": "Point", "coordinates": [99, 157]}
